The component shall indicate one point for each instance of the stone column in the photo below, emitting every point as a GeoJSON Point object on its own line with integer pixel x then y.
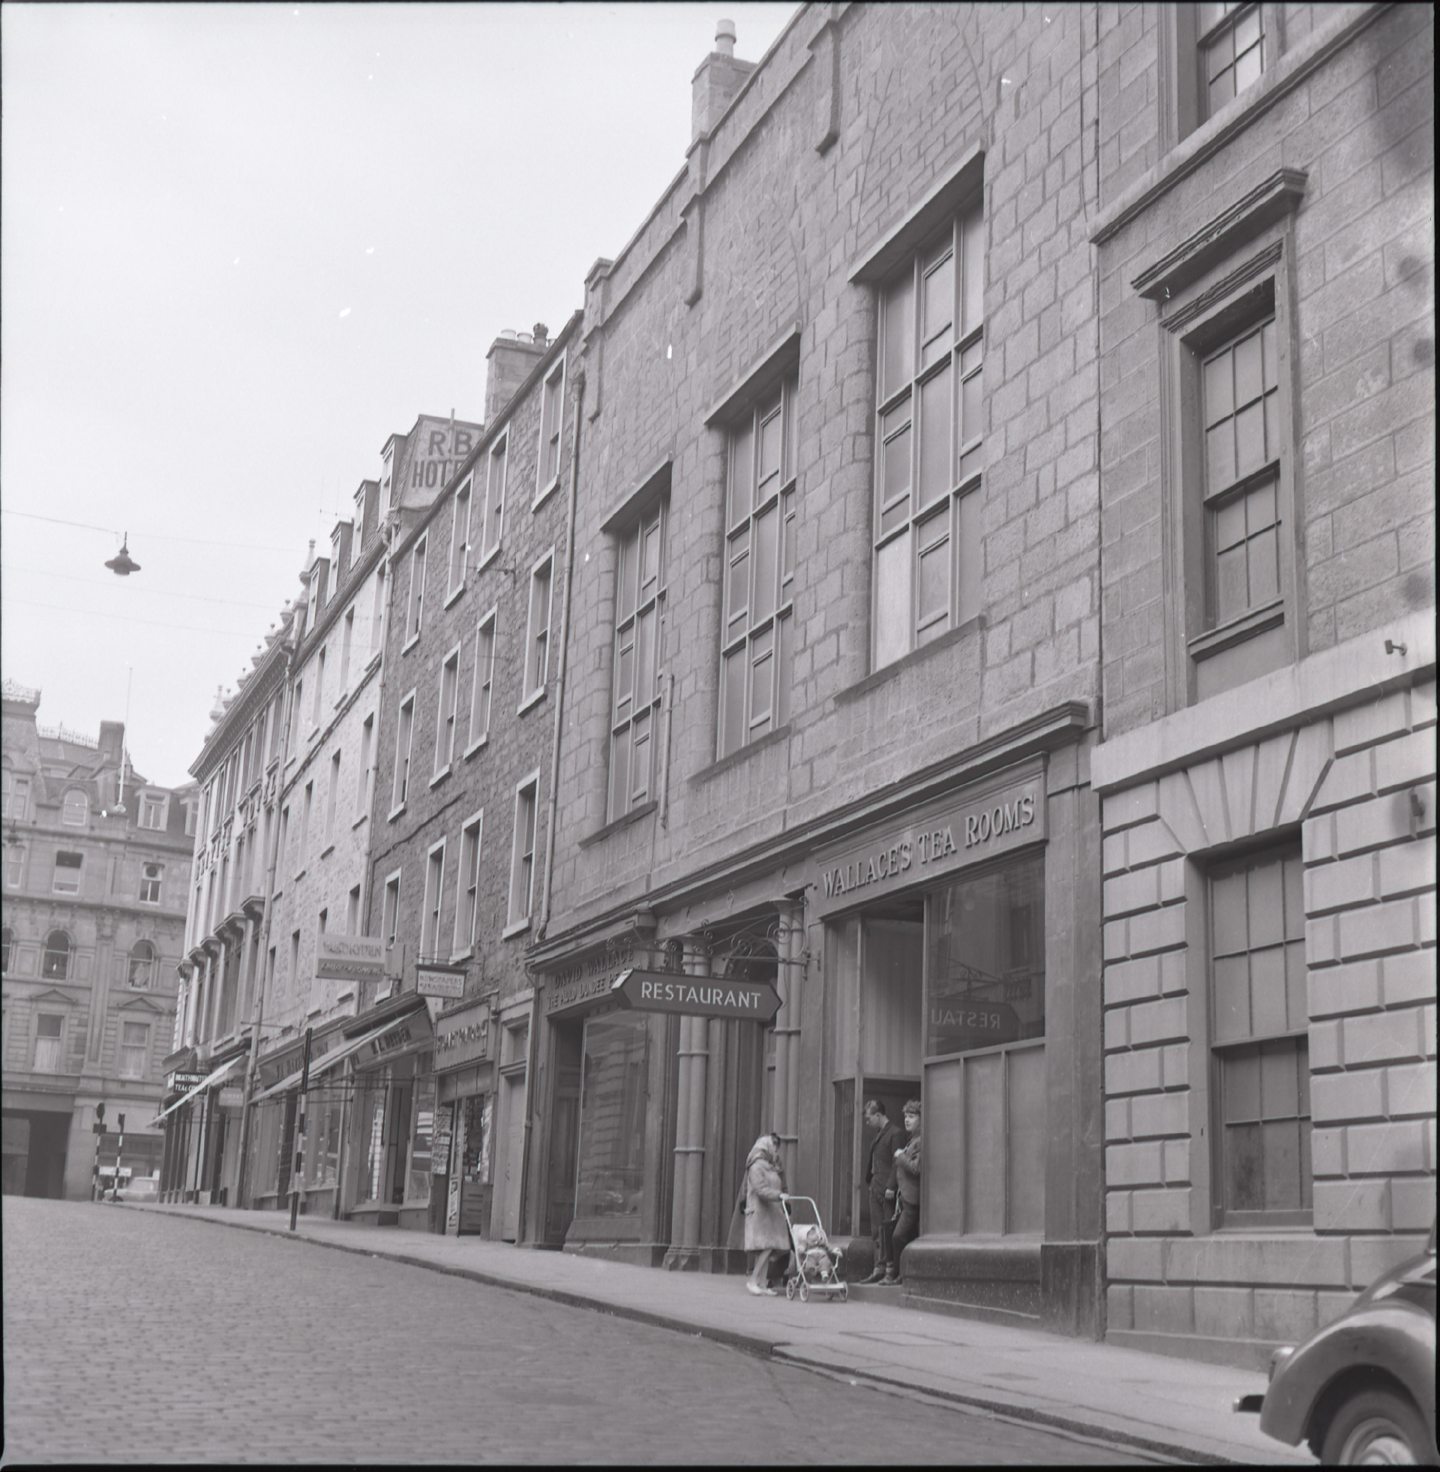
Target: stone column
{"type": "Point", "coordinates": [692, 1059]}
{"type": "Point", "coordinates": [785, 1100]}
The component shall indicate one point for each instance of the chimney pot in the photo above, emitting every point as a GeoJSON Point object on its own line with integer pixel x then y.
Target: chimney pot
{"type": "Point", "coordinates": [725, 37]}
{"type": "Point", "coordinates": [541, 334]}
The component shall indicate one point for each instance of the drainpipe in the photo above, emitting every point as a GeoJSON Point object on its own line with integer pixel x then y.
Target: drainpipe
{"type": "Point", "coordinates": [533, 1060]}
{"type": "Point", "coordinates": [242, 1182]}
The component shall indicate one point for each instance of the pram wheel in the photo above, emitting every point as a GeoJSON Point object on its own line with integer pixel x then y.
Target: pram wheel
{"type": "Point", "coordinates": [844, 1293]}
{"type": "Point", "coordinates": [790, 1289]}
{"type": "Point", "coordinates": [804, 1291]}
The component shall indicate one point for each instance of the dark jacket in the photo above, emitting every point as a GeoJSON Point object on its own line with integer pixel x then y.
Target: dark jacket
{"type": "Point", "coordinates": [907, 1172]}
{"type": "Point", "coordinates": [880, 1160]}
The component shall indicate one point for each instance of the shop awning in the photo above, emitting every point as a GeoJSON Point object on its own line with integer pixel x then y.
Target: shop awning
{"type": "Point", "coordinates": [205, 1083]}
{"type": "Point", "coordinates": [323, 1065]}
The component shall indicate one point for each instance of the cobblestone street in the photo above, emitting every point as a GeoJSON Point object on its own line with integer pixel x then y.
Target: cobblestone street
{"type": "Point", "coordinates": [132, 1337]}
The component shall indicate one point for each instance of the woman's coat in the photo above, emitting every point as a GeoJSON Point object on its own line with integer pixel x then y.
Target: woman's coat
{"type": "Point", "coordinates": [765, 1224]}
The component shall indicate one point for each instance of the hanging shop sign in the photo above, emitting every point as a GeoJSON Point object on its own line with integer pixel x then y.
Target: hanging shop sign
{"type": "Point", "coordinates": [943, 839]}
{"type": "Point", "coordinates": [696, 996]}
{"type": "Point", "coordinates": [231, 1097]}
{"type": "Point", "coordinates": [349, 958]}
{"type": "Point", "coordinates": [180, 1082]}
{"type": "Point", "coordinates": [463, 1037]}
{"type": "Point", "coordinates": [440, 981]}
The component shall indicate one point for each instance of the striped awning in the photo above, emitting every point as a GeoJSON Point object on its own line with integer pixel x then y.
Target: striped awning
{"type": "Point", "coordinates": [205, 1083]}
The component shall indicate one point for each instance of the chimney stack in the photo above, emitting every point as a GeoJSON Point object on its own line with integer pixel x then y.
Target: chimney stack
{"type": "Point", "coordinates": [718, 78]}
{"type": "Point", "coordinates": [511, 357]}
{"type": "Point", "coordinates": [541, 333]}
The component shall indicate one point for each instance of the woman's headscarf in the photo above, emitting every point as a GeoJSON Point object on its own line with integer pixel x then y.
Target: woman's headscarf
{"type": "Point", "coordinates": [763, 1148]}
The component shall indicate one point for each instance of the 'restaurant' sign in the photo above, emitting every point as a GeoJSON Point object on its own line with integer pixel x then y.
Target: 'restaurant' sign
{"type": "Point", "coordinates": [697, 996]}
{"type": "Point", "coordinates": [943, 839]}
{"type": "Point", "coordinates": [349, 957]}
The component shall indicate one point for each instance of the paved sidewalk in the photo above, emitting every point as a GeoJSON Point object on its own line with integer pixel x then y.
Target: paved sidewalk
{"type": "Point", "coordinates": [1171, 1406]}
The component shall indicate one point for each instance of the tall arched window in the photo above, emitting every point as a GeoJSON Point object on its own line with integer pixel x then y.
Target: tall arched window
{"type": "Point", "coordinates": [76, 809]}
{"type": "Point", "coordinates": [55, 959]}
{"type": "Point", "coordinates": [5, 939]}
{"type": "Point", "coordinates": [142, 965]}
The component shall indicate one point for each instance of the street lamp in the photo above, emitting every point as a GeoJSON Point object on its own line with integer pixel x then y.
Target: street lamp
{"type": "Point", "coordinates": [122, 564]}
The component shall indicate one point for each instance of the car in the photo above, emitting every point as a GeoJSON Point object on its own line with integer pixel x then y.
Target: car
{"type": "Point", "coordinates": [1361, 1391]}
{"type": "Point", "coordinates": [140, 1188]}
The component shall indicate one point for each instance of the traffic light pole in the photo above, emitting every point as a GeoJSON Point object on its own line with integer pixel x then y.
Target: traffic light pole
{"type": "Point", "coordinates": [99, 1129]}
{"type": "Point", "coordinates": [119, 1151]}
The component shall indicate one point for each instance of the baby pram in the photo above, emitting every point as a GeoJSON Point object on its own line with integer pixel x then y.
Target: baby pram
{"type": "Point", "coordinates": [816, 1265]}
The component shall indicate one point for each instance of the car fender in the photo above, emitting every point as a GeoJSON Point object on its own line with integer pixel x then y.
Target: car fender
{"type": "Point", "coordinates": [1391, 1339]}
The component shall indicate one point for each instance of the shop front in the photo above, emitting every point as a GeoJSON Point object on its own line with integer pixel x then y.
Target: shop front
{"type": "Point", "coordinates": [388, 1175]}
{"type": "Point", "coordinates": [461, 1152]}
{"type": "Point", "coordinates": [960, 967]}
{"type": "Point", "coordinates": [659, 1057]}
{"type": "Point", "coordinates": [201, 1118]}
{"type": "Point", "coordinates": [275, 1122]}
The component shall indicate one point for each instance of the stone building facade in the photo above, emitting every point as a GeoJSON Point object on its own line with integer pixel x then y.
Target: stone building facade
{"type": "Point", "coordinates": [96, 871]}
{"type": "Point", "coordinates": [1266, 267]}
{"type": "Point", "coordinates": [467, 716]}
{"type": "Point", "coordinates": [835, 664]}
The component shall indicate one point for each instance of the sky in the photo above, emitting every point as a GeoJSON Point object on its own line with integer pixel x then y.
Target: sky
{"type": "Point", "coordinates": [241, 246]}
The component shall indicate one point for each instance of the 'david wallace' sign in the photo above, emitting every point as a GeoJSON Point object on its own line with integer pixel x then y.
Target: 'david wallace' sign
{"type": "Point", "coordinates": [696, 996]}
{"type": "Point", "coordinates": [944, 838]}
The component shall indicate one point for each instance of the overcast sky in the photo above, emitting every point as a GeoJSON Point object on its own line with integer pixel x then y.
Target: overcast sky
{"type": "Point", "coordinates": [244, 244]}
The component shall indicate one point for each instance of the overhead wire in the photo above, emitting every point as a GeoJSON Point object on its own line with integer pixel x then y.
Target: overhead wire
{"type": "Point", "coordinates": [150, 535]}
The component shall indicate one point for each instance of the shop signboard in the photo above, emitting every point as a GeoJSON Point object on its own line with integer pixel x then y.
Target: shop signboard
{"type": "Point", "coordinates": [463, 1037]}
{"type": "Point", "coordinates": [440, 981]}
{"type": "Point", "coordinates": [696, 996]}
{"type": "Point", "coordinates": [349, 957]}
{"type": "Point", "coordinates": [946, 837]}
{"type": "Point", "coordinates": [232, 1096]}
{"type": "Point", "coordinates": [405, 1035]}
{"type": "Point", "coordinates": [181, 1082]}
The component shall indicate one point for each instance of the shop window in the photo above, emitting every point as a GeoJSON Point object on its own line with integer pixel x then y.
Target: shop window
{"type": "Point", "coordinates": [422, 1133]}
{"type": "Point", "coordinates": [68, 867]}
{"type": "Point", "coordinates": [134, 1049]}
{"type": "Point", "coordinates": [483, 682]}
{"type": "Point", "coordinates": [930, 419]}
{"type": "Point", "coordinates": [49, 1043]}
{"type": "Point", "coordinates": [537, 630]}
{"type": "Point", "coordinates": [758, 636]}
{"type": "Point", "coordinates": [55, 957]}
{"type": "Point", "coordinates": [140, 969]}
{"type": "Point", "coordinates": [1260, 1043]}
{"type": "Point", "coordinates": [522, 860]}
{"type": "Point", "coordinates": [322, 1138]}
{"type": "Point", "coordinates": [152, 879]}
{"type": "Point", "coordinates": [639, 624]}
{"type": "Point", "coordinates": [610, 1184]}
{"type": "Point", "coordinates": [552, 414]}
{"type": "Point", "coordinates": [496, 469]}
{"type": "Point", "coordinates": [985, 1066]}
{"type": "Point", "coordinates": [75, 810]}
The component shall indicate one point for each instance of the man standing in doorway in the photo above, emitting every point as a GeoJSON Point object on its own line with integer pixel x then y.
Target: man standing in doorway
{"type": "Point", "coordinates": [880, 1180]}
{"type": "Point", "coordinates": [907, 1182]}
